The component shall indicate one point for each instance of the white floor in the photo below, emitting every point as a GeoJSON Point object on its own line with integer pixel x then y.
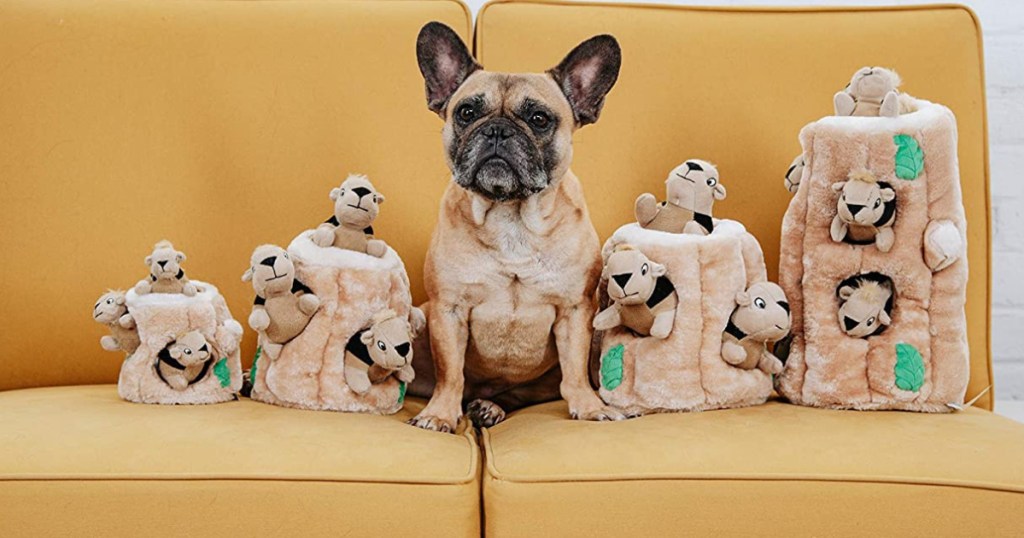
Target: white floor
{"type": "Point", "coordinates": [1011, 408]}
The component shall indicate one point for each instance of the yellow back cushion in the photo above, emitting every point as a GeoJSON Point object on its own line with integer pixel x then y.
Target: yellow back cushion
{"type": "Point", "coordinates": [735, 86]}
{"type": "Point", "coordinates": [217, 125]}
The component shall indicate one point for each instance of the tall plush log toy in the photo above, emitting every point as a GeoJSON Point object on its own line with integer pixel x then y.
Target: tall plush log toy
{"type": "Point", "coordinates": [165, 272]}
{"type": "Point", "coordinates": [110, 309]}
{"type": "Point", "coordinates": [692, 189]}
{"type": "Point", "coordinates": [873, 91]}
{"type": "Point", "coordinates": [382, 349]}
{"type": "Point", "coordinates": [356, 204]}
{"type": "Point", "coordinates": [644, 300]}
{"type": "Point", "coordinates": [761, 317]}
{"type": "Point", "coordinates": [866, 210]}
{"type": "Point", "coordinates": [283, 304]}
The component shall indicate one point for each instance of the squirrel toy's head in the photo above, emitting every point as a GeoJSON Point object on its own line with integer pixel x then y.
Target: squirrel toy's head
{"type": "Point", "coordinates": [694, 185]}
{"type": "Point", "coordinates": [631, 275]}
{"type": "Point", "coordinates": [165, 262]}
{"type": "Point", "coordinates": [110, 307]}
{"type": "Point", "coordinates": [270, 270]}
{"type": "Point", "coordinates": [356, 202]}
{"type": "Point", "coordinates": [389, 340]}
{"type": "Point", "coordinates": [873, 83]}
{"type": "Point", "coordinates": [862, 198]}
{"type": "Point", "coordinates": [190, 348]}
{"type": "Point", "coordinates": [762, 312]}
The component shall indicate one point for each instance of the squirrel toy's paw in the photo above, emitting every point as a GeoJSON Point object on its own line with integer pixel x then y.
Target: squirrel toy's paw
{"type": "Point", "coordinates": [607, 319]}
{"type": "Point", "coordinates": [309, 304]}
{"type": "Point", "coordinates": [359, 382]}
{"type": "Point", "coordinates": [838, 229]}
{"type": "Point", "coordinates": [259, 320]}
{"type": "Point", "coordinates": [646, 208]}
{"type": "Point", "coordinates": [143, 287]}
{"type": "Point", "coordinates": [376, 248]}
{"type": "Point", "coordinates": [323, 236]}
{"type": "Point", "coordinates": [844, 104]}
{"type": "Point", "coordinates": [126, 321]}
{"type": "Point", "coordinates": [890, 105]}
{"type": "Point", "coordinates": [733, 353]}
{"type": "Point", "coordinates": [406, 374]}
{"type": "Point", "coordinates": [885, 239]}
{"type": "Point", "coordinates": [189, 290]}
{"type": "Point", "coordinates": [769, 364]}
{"type": "Point", "coordinates": [109, 343]}
{"type": "Point", "coordinates": [693, 228]}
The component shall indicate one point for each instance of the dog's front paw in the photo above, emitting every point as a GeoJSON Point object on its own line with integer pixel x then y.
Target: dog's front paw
{"type": "Point", "coordinates": [435, 423]}
{"type": "Point", "coordinates": [484, 413]}
{"type": "Point", "coordinates": [594, 409]}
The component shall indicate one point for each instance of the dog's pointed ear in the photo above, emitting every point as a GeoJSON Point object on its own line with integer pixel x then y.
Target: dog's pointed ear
{"type": "Point", "coordinates": [445, 63]}
{"type": "Point", "coordinates": [587, 74]}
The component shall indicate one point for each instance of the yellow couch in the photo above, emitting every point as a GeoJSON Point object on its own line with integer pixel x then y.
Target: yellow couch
{"type": "Point", "coordinates": [221, 125]}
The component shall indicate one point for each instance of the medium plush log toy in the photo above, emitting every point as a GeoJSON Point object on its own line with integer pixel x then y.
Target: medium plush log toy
{"type": "Point", "coordinates": [111, 311]}
{"type": "Point", "coordinates": [644, 300]}
{"type": "Point", "coordinates": [283, 304]}
{"type": "Point", "coordinates": [865, 211]}
{"type": "Point", "coordinates": [866, 302]}
{"type": "Point", "coordinates": [165, 272]}
{"type": "Point", "coordinates": [185, 360]}
{"type": "Point", "coordinates": [761, 317]}
{"type": "Point", "coordinates": [873, 91]}
{"type": "Point", "coordinates": [692, 189]}
{"type": "Point", "coordinates": [382, 349]}
{"type": "Point", "coordinates": [356, 205]}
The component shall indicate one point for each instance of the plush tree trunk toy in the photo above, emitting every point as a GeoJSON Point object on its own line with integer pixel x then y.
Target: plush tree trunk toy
{"type": "Point", "coordinates": [165, 272]}
{"type": "Point", "coordinates": [877, 328]}
{"type": "Point", "coordinates": [356, 205]}
{"type": "Point", "coordinates": [110, 310]}
{"type": "Point", "coordinates": [644, 300]}
{"type": "Point", "coordinates": [683, 370]}
{"type": "Point", "coordinates": [761, 317]}
{"type": "Point", "coordinates": [692, 189]}
{"type": "Point", "coordinates": [382, 349]}
{"type": "Point", "coordinates": [188, 351]}
{"type": "Point", "coordinates": [318, 364]}
{"type": "Point", "coordinates": [865, 211]}
{"type": "Point", "coordinates": [283, 304]}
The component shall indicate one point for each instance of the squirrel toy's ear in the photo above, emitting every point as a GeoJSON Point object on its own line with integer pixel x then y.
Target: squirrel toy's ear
{"type": "Point", "coordinates": [180, 256]}
{"type": "Point", "coordinates": [366, 337]}
{"type": "Point", "coordinates": [174, 352]}
{"type": "Point", "coordinates": [605, 272]}
{"type": "Point", "coordinates": [883, 316]}
{"type": "Point", "coordinates": [888, 195]}
{"type": "Point", "coordinates": [743, 298]}
{"type": "Point", "coordinates": [718, 192]}
{"type": "Point", "coordinates": [247, 275]}
{"type": "Point", "coordinates": [845, 292]}
{"type": "Point", "coordinates": [658, 269]}
{"type": "Point", "coordinates": [838, 186]}
{"type": "Point", "coordinates": [380, 198]}
{"type": "Point", "coordinates": [120, 299]}
{"type": "Point", "coordinates": [149, 260]}
{"type": "Point", "coordinates": [335, 194]}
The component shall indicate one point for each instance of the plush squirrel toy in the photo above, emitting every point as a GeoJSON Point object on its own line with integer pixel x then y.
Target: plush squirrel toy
{"type": "Point", "coordinates": [165, 272]}
{"type": "Point", "coordinates": [185, 360]}
{"type": "Point", "coordinates": [356, 205]}
{"type": "Point", "coordinates": [692, 189]}
{"type": "Point", "coordinates": [873, 91]}
{"type": "Point", "coordinates": [866, 210]}
{"type": "Point", "coordinates": [761, 316]}
{"type": "Point", "coordinates": [866, 302]}
{"type": "Point", "coordinates": [380, 350]}
{"type": "Point", "coordinates": [111, 311]}
{"type": "Point", "coordinates": [644, 300]}
{"type": "Point", "coordinates": [794, 173]}
{"type": "Point", "coordinates": [283, 304]}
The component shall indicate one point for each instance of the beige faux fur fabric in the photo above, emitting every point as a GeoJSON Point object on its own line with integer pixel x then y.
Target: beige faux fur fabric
{"type": "Point", "coordinates": [686, 372]}
{"type": "Point", "coordinates": [162, 317]}
{"type": "Point", "coordinates": [919, 362]}
{"type": "Point", "coordinates": [352, 287]}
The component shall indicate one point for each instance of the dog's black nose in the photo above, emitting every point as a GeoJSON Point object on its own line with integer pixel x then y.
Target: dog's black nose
{"type": "Point", "coordinates": [403, 349]}
{"type": "Point", "coordinates": [162, 263]}
{"type": "Point", "coordinates": [495, 131]}
{"type": "Point", "coordinates": [854, 208]}
{"type": "Point", "coordinates": [269, 260]}
{"type": "Point", "coordinates": [622, 279]}
{"type": "Point", "coordinates": [361, 191]}
{"type": "Point", "coordinates": [694, 166]}
{"type": "Point", "coordinates": [849, 323]}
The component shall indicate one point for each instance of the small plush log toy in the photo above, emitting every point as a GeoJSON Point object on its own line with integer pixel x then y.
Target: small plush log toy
{"type": "Point", "coordinates": [283, 304]}
{"type": "Point", "coordinates": [165, 272]}
{"type": "Point", "coordinates": [356, 205]}
{"type": "Point", "coordinates": [692, 189]}
{"type": "Point", "coordinates": [866, 210]}
{"type": "Point", "coordinates": [761, 316]}
{"type": "Point", "coordinates": [873, 91]}
{"type": "Point", "coordinates": [866, 302]}
{"type": "Point", "coordinates": [111, 311]}
{"type": "Point", "coordinates": [644, 299]}
{"type": "Point", "coordinates": [185, 360]}
{"type": "Point", "coordinates": [382, 349]}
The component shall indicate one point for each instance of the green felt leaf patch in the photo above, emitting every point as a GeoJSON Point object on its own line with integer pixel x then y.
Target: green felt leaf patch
{"type": "Point", "coordinates": [222, 372]}
{"type": "Point", "coordinates": [611, 367]}
{"type": "Point", "coordinates": [909, 368]}
{"type": "Point", "coordinates": [255, 361]}
{"type": "Point", "coordinates": [909, 157]}
{"type": "Point", "coordinates": [401, 392]}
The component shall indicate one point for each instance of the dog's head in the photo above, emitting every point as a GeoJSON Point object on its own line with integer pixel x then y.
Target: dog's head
{"type": "Point", "coordinates": [509, 135]}
{"type": "Point", "coordinates": [270, 270]}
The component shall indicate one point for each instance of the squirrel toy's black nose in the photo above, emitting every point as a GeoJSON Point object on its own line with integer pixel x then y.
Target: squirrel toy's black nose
{"type": "Point", "coordinates": [849, 323]}
{"type": "Point", "coordinates": [622, 279]}
{"type": "Point", "coordinates": [403, 349]}
{"type": "Point", "coordinates": [162, 263]}
{"type": "Point", "coordinates": [854, 208]}
{"type": "Point", "coordinates": [268, 261]}
{"type": "Point", "coordinates": [694, 166]}
{"type": "Point", "coordinates": [361, 191]}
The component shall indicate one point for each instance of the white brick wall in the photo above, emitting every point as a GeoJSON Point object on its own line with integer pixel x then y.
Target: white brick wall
{"type": "Point", "coordinates": [1003, 25]}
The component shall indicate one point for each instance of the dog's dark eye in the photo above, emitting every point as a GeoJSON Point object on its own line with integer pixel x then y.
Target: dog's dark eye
{"type": "Point", "coordinates": [466, 113]}
{"type": "Point", "coordinates": [381, 346]}
{"type": "Point", "coordinates": [540, 120]}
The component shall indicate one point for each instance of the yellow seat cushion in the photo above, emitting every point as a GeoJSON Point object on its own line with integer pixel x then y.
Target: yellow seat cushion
{"type": "Point", "coordinates": [778, 469]}
{"type": "Point", "coordinates": [78, 460]}
{"type": "Point", "coordinates": [735, 86]}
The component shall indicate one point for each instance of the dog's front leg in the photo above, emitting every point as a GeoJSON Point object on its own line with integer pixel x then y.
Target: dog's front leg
{"type": "Point", "coordinates": [572, 338]}
{"type": "Point", "coordinates": [449, 331]}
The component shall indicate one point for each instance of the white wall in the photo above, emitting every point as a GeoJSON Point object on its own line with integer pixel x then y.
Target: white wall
{"type": "Point", "coordinates": [1003, 25]}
